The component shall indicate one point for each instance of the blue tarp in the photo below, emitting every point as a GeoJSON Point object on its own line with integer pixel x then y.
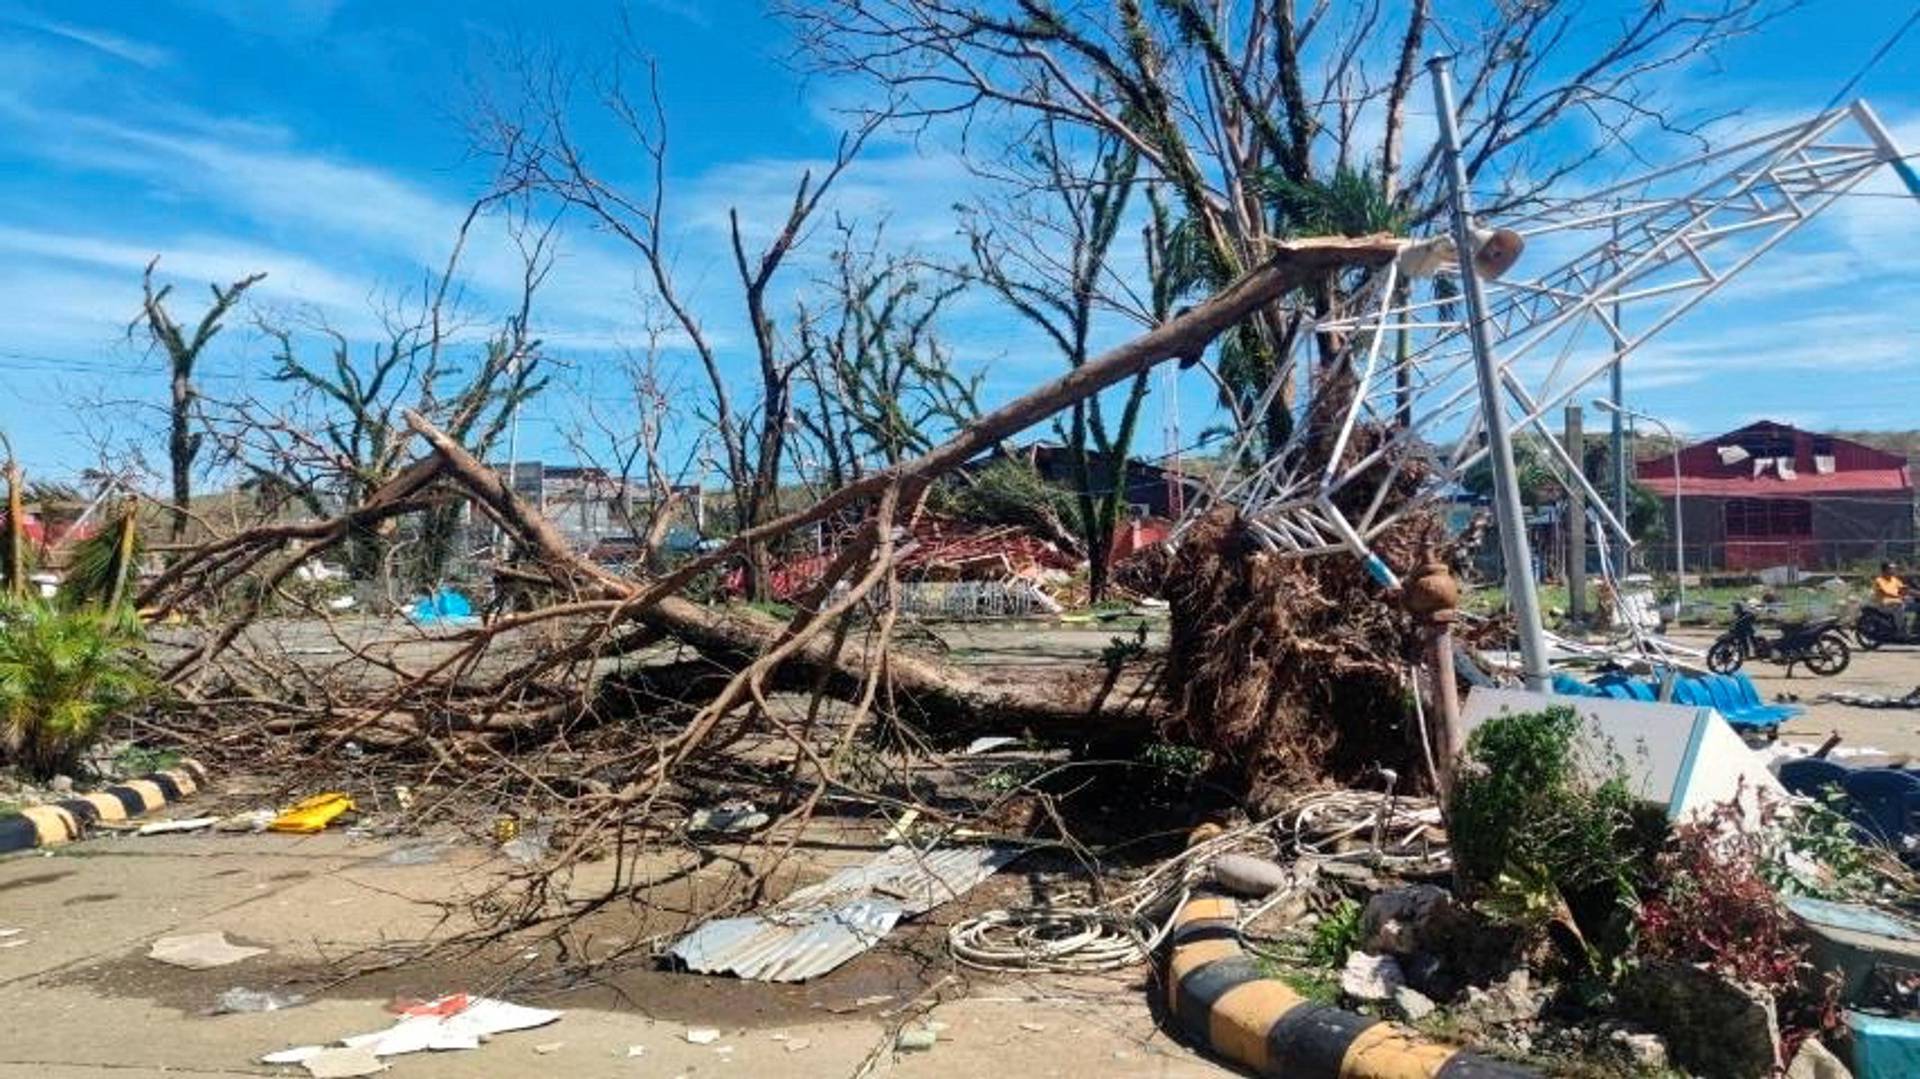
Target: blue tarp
{"type": "Point", "coordinates": [444, 606]}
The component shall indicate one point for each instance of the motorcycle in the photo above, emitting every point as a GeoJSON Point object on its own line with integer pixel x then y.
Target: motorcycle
{"type": "Point", "coordinates": [1816, 642]}
{"type": "Point", "coordinates": [1886, 625]}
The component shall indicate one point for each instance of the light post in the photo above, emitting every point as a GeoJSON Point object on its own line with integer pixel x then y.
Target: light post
{"type": "Point", "coordinates": [1679, 521]}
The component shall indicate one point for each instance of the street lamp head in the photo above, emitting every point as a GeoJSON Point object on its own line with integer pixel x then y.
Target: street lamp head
{"type": "Point", "coordinates": [1605, 405]}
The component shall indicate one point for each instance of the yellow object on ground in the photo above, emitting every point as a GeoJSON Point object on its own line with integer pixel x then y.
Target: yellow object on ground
{"type": "Point", "coordinates": [312, 814]}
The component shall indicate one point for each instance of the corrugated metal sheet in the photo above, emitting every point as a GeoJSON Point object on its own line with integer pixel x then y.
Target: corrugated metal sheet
{"type": "Point", "coordinates": [822, 926]}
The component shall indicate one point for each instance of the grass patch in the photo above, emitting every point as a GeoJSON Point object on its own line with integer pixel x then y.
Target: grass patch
{"type": "Point", "coordinates": [1319, 986]}
{"type": "Point", "coordinates": [138, 760]}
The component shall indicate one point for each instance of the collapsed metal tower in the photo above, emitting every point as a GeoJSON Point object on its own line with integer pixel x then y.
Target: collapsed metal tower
{"type": "Point", "coordinates": [1661, 242]}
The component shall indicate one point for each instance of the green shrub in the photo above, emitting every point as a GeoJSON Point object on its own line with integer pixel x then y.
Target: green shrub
{"type": "Point", "coordinates": [1542, 836]}
{"type": "Point", "coordinates": [62, 673]}
{"type": "Point", "coordinates": [1335, 935]}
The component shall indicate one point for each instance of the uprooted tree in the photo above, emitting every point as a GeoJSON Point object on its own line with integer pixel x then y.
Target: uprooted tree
{"type": "Point", "coordinates": [836, 645]}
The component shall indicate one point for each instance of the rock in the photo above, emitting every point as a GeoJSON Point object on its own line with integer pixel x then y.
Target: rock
{"type": "Point", "coordinates": [1647, 1051]}
{"type": "Point", "coordinates": [1402, 921]}
{"type": "Point", "coordinates": [1714, 1027]}
{"type": "Point", "coordinates": [1815, 1061]}
{"type": "Point", "coordinates": [1245, 875]}
{"type": "Point", "coordinates": [62, 784]}
{"type": "Point", "coordinates": [1371, 977]}
{"type": "Point", "coordinates": [916, 1041]}
{"type": "Point", "coordinates": [1515, 1000]}
{"type": "Point", "coordinates": [1413, 1004]}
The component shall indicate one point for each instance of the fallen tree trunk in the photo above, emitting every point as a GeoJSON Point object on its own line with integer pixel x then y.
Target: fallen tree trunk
{"type": "Point", "coordinates": [765, 652]}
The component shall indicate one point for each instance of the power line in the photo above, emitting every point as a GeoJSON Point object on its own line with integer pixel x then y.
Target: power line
{"type": "Point", "coordinates": [1878, 54]}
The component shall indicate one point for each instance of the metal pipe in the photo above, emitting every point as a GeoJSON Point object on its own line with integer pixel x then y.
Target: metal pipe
{"type": "Point", "coordinates": [1521, 594]}
{"type": "Point", "coordinates": [1618, 436]}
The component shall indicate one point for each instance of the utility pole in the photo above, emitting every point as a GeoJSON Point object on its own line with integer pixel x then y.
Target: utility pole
{"type": "Point", "coordinates": [1522, 598]}
{"type": "Point", "coordinates": [1577, 520]}
{"type": "Point", "coordinates": [1621, 544]}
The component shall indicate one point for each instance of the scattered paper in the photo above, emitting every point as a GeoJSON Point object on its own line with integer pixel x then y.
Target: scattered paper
{"type": "Point", "coordinates": [190, 824]}
{"type": "Point", "coordinates": [343, 1063]}
{"type": "Point", "coordinates": [702, 1036]}
{"type": "Point", "coordinates": [636, 1050]}
{"type": "Point", "coordinates": [5, 933]}
{"type": "Point", "coordinates": [989, 744]}
{"type": "Point", "coordinates": [201, 951]}
{"type": "Point", "coordinates": [449, 1023]}
{"type": "Point", "coordinates": [546, 1048]}
{"type": "Point", "coordinates": [14, 943]}
{"type": "Point", "coordinates": [794, 1045]}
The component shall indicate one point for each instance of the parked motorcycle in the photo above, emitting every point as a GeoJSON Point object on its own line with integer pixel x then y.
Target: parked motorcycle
{"type": "Point", "coordinates": [1886, 625]}
{"type": "Point", "coordinates": [1817, 642]}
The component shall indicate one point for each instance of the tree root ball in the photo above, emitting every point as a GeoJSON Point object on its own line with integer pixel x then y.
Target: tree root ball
{"type": "Point", "coordinates": [1293, 671]}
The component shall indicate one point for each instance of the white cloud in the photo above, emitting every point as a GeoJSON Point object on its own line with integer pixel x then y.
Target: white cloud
{"type": "Point", "coordinates": [119, 46]}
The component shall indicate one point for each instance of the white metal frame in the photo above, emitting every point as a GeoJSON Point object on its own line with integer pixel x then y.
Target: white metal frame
{"type": "Point", "coordinates": [1662, 242]}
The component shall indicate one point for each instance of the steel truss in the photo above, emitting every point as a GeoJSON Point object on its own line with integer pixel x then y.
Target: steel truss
{"type": "Point", "coordinates": [1658, 244]}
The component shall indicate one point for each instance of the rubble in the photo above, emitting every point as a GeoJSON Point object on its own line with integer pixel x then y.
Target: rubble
{"type": "Point", "coordinates": [1404, 921]}
{"type": "Point", "coordinates": [1815, 1061]}
{"type": "Point", "coordinates": [1515, 999]}
{"type": "Point", "coordinates": [1412, 1004]}
{"type": "Point", "coordinates": [1371, 977]}
{"type": "Point", "coordinates": [1712, 1025]}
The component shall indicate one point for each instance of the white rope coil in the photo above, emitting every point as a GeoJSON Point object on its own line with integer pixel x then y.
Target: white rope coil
{"type": "Point", "coordinates": [1049, 939]}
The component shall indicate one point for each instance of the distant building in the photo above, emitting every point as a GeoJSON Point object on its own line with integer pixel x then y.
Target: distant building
{"type": "Point", "coordinates": [592, 507]}
{"type": "Point", "coordinates": [1773, 495]}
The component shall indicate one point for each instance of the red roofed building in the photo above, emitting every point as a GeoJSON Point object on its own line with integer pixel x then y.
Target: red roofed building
{"type": "Point", "coordinates": [1773, 495]}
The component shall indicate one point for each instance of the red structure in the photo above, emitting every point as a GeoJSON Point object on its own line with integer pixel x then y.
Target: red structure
{"type": "Point", "coordinates": [1773, 495]}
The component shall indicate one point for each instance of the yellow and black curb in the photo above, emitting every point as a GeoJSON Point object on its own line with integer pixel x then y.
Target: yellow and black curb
{"type": "Point", "coordinates": [68, 820]}
{"type": "Point", "coordinates": [1220, 1000]}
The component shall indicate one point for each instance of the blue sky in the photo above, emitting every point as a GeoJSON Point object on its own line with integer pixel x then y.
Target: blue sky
{"type": "Point", "coordinates": [321, 141]}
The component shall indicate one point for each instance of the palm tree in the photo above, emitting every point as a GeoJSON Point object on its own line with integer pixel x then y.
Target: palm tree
{"type": "Point", "coordinates": [63, 671]}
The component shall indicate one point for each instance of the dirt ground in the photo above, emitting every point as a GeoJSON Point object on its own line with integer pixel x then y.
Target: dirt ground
{"type": "Point", "coordinates": [86, 1001]}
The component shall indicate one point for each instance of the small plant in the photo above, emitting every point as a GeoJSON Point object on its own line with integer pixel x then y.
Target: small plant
{"type": "Point", "coordinates": [1122, 650]}
{"type": "Point", "coordinates": [62, 673]}
{"type": "Point", "coordinates": [138, 760]}
{"type": "Point", "coordinates": [1814, 850]}
{"type": "Point", "coordinates": [1336, 935]}
{"type": "Point", "coordinates": [1712, 905]}
{"type": "Point", "coordinates": [1544, 836]}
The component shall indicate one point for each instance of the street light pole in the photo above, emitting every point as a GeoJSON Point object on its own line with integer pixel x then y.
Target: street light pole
{"type": "Point", "coordinates": [1622, 412]}
{"type": "Point", "coordinates": [1521, 595]}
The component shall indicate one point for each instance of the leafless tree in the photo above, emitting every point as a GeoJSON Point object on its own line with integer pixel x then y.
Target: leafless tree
{"type": "Point", "coordinates": [1046, 245]}
{"type": "Point", "coordinates": [339, 435]}
{"type": "Point", "coordinates": [622, 438]}
{"type": "Point", "coordinates": [1229, 103]}
{"type": "Point", "coordinates": [182, 353]}
{"type": "Point", "coordinates": [882, 384]}
{"type": "Point", "coordinates": [535, 144]}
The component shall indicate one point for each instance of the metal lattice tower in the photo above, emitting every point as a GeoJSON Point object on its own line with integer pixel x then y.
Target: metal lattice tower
{"type": "Point", "coordinates": [1661, 242]}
